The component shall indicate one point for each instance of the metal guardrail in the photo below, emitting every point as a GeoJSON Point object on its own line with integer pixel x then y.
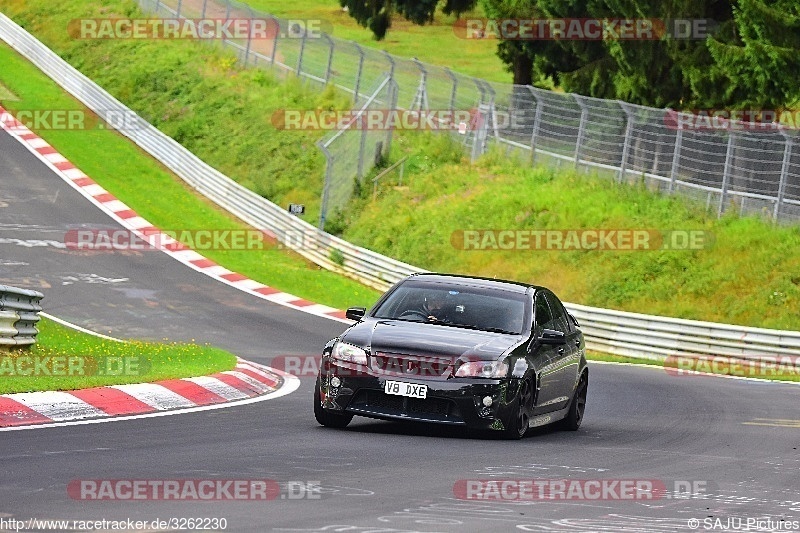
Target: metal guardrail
{"type": "Point", "coordinates": [606, 330]}
{"type": "Point", "coordinates": [19, 314]}
{"type": "Point", "coordinates": [656, 337]}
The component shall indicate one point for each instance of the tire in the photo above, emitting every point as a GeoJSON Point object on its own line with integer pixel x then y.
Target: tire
{"type": "Point", "coordinates": [518, 425]}
{"type": "Point", "coordinates": [326, 418]}
{"type": "Point", "coordinates": [576, 409]}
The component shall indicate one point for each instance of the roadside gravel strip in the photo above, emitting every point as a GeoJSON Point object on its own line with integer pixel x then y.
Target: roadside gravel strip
{"type": "Point", "coordinates": [246, 383]}
{"type": "Point", "coordinates": [130, 220]}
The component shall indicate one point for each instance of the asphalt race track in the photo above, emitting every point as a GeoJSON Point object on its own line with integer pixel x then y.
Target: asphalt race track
{"type": "Point", "coordinates": [641, 423]}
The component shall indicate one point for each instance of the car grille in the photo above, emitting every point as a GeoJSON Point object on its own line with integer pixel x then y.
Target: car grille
{"type": "Point", "coordinates": [411, 365]}
{"type": "Point", "coordinates": [432, 408]}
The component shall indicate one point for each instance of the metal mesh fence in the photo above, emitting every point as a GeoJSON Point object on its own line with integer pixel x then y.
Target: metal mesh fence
{"type": "Point", "coordinates": [752, 170]}
{"type": "Point", "coordinates": [354, 149]}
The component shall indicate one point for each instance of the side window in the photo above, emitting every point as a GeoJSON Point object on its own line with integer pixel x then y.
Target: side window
{"type": "Point", "coordinates": [544, 318]}
{"type": "Point", "coordinates": [561, 321]}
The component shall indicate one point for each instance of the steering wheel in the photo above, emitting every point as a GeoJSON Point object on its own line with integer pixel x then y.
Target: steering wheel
{"type": "Point", "coordinates": [414, 313]}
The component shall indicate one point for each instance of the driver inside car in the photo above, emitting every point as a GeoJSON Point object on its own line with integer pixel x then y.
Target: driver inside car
{"type": "Point", "coordinates": [434, 308]}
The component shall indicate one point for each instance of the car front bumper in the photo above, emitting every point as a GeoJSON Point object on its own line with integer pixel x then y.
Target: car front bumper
{"type": "Point", "coordinates": [455, 401]}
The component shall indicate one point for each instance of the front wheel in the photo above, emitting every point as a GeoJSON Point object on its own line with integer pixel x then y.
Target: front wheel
{"type": "Point", "coordinates": [575, 415]}
{"type": "Point", "coordinates": [326, 418]}
{"type": "Point", "coordinates": [518, 425]}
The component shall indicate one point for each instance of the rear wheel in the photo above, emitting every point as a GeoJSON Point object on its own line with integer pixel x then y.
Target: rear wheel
{"type": "Point", "coordinates": [575, 415]}
{"type": "Point", "coordinates": [326, 418]}
{"type": "Point", "coordinates": [518, 425]}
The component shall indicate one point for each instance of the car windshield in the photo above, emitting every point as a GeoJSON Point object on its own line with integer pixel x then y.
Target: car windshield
{"type": "Point", "coordinates": [481, 308]}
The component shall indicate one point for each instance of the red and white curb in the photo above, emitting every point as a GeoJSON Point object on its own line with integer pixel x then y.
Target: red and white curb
{"type": "Point", "coordinates": [246, 383]}
{"type": "Point", "coordinates": [130, 220]}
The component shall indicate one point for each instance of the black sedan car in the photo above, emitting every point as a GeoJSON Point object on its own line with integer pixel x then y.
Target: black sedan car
{"type": "Point", "coordinates": [482, 353]}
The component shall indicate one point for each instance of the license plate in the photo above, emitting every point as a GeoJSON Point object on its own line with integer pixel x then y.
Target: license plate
{"type": "Point", "coordinates": [401, 388]}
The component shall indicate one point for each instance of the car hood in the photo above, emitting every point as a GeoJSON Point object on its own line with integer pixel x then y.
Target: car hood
{"type": "Point", "coordinates": [414, 338]}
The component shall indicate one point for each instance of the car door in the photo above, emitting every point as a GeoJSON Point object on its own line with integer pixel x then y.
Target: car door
{"type": "Point", "coordinates": [545, 357]}
{"type": "Point", "coordinates": [567, 357]}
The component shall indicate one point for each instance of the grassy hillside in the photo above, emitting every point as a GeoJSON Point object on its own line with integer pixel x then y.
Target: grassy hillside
{"type": "Point", "coordinates": [750, 276]}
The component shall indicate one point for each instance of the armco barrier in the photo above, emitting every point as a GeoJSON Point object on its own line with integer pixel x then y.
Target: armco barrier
{"type": "Point", "coordinates": [19, 314]}
{"type": "Point", "coordinates": [657, 337]}
{"type": "Point", "coordinates": [606, 330]}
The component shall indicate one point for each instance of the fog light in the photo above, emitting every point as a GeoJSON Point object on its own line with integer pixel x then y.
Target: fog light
{"type": "Point", "coordinates": [487, 401]}
{"type": "Point", "coordinates": [335, 381]}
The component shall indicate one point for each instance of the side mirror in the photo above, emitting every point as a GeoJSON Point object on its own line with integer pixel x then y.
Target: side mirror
{"type": "Point", "coordinates": [356, 313]}
{"type": "Point", "coordinates": [574, 320]}
{"type": "Point", "coordinates": [552, 337]}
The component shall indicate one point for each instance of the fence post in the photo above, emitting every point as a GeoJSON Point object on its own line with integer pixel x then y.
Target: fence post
{"type": "Point", "coordinates": [492, 109]}
{"type": "Point", "coordinates": [581, 128]}
{"type": "Point", "coordinates": [391, 61]}
{"type": "Point", "coordinates": [330, 57]}
{"type": "Point", "coordinates": [358, 73]}
{"type": "Point", "coordinates": [422, 89]}
{"type": "Point", "coordinates": [726, 175]}
{"type": "Point", "coordinates": [203, 13]}
{"type": "Point", "coordinates": [453, 91]}
{"type": "Point", "coordinates": [178, 10]}
{"type": "Point", "coordinates": [323, 209]}
{"type": "Point", "coordinates": [393, 96]}
{"type": "Point", "coordinates": [480, 129]}
{"type": "Point", "coordinates": [479, 141]}
{"type": "Point", "coordinates": [537, 120]}
{"type": "Point", "coordinates": [626, 144]}
{"type": "Point", "coordinates": [249, 36]}
{"type": "Point", "coordinates": [362, 146]}
{"type": "Point", "coordinates": [676, 154]}
{"type": "Point", "coordinates": [300, 55]}
{"type": "Point", "coordinates": [227, 16]}
{"type": "Point", "coordinates": [787, 159]}
{"type": "Point", "coordinates": [274, 42]}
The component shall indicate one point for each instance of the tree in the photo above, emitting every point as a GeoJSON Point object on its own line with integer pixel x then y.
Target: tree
{"type": "Point", "coordinates": [760, 66]}
{"type": "Point", "coordinates": [750, 58]}
{"type": "Point", "coordinates": [377, 14]}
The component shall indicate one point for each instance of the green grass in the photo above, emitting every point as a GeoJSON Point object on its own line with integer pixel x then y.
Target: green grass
{"type": "Point", "coordinates": [71, 360]}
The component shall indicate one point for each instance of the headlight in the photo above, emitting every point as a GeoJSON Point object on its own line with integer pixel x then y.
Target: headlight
{"type": "Point", "coordinates": [482, 369]}
{"type": "Point", "coordinates": [350, 353]}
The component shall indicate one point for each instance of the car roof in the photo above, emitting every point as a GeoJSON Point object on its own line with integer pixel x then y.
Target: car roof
{"type": "Point", "coordinates": [474, 281]}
